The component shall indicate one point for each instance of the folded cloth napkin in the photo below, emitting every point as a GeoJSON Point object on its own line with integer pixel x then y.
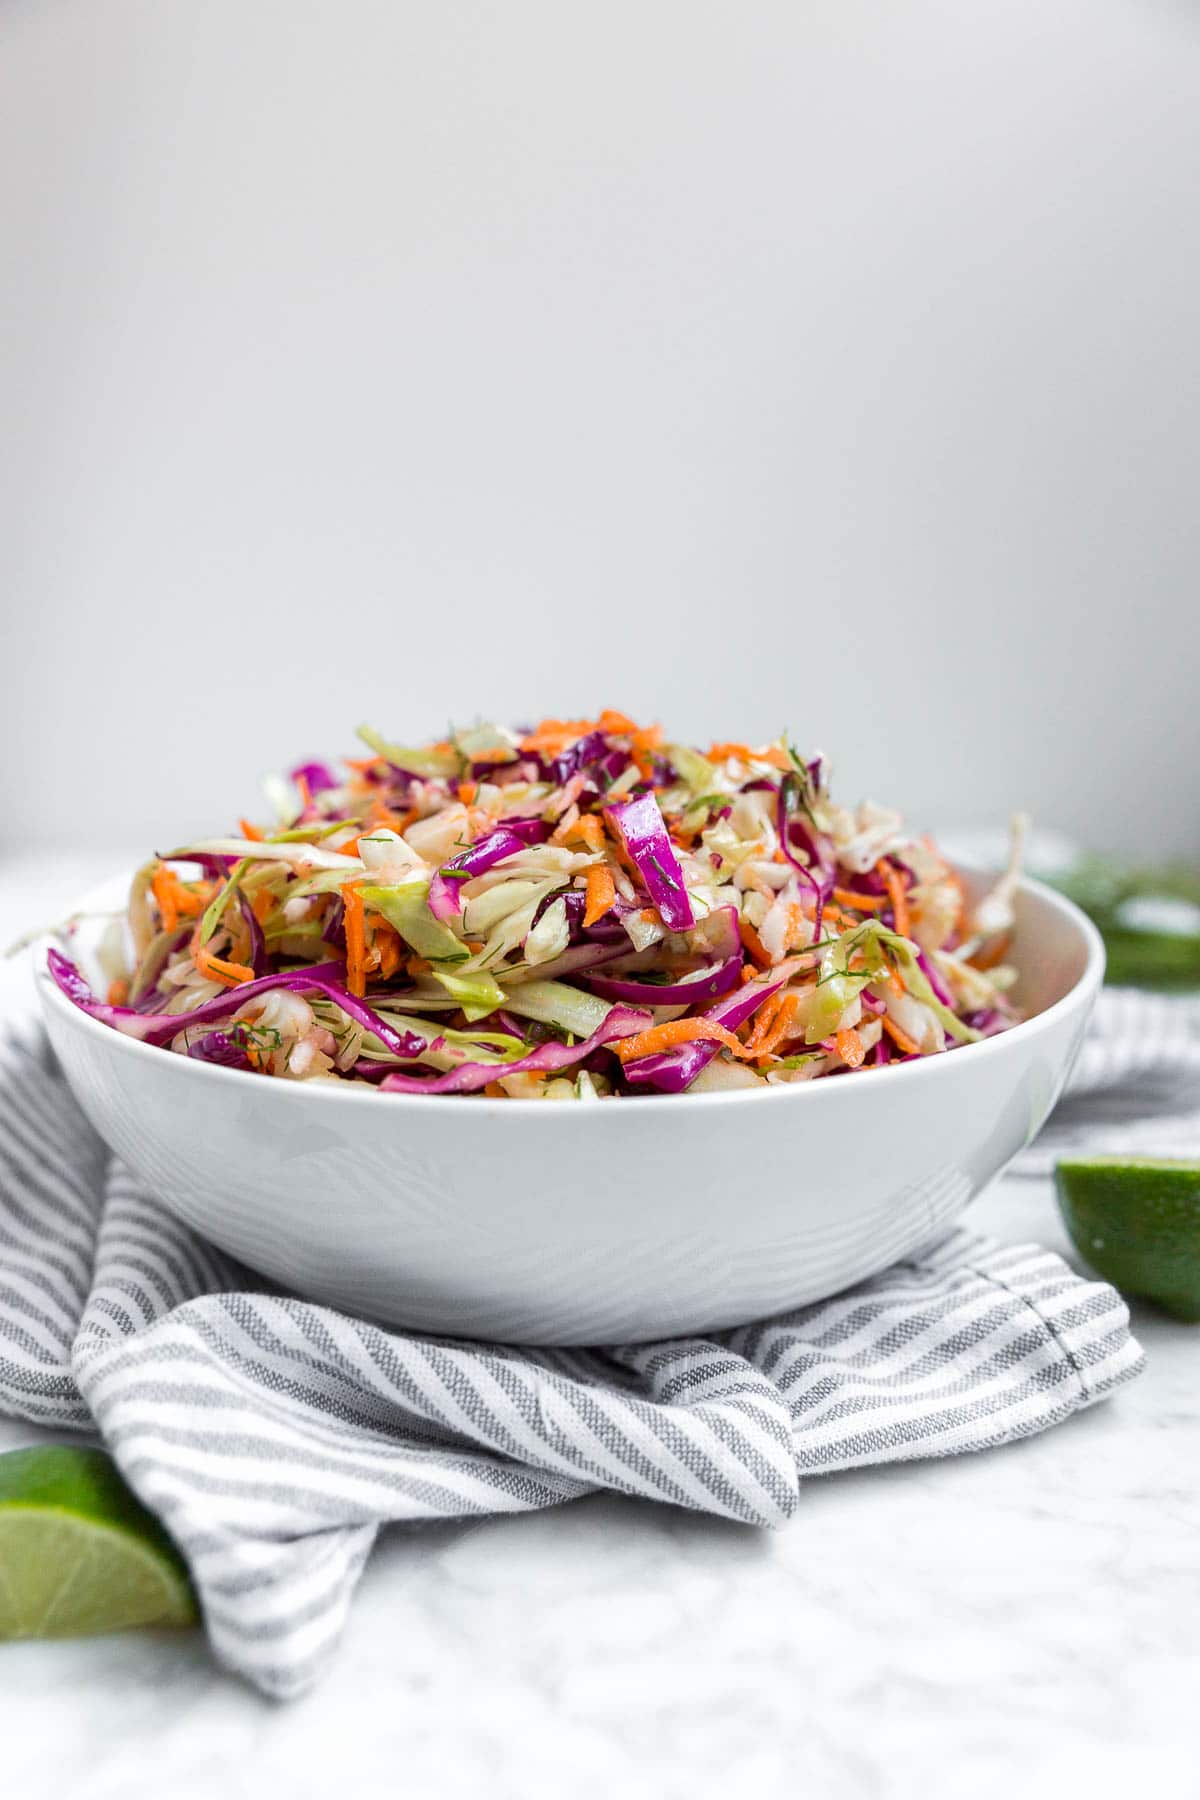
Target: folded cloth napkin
{"type": "Point", "coordinates": [274, 1437]}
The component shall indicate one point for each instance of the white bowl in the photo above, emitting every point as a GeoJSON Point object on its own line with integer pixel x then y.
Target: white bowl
{"type": "Point", "coordinates": [587, 1222]}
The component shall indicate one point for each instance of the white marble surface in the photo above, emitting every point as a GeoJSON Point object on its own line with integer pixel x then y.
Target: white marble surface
{"type": "Point", "coordinates": [1023, 1619]}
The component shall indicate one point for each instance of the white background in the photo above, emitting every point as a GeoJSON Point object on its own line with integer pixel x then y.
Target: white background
{"type": "Point", "coordinates": [831, 364]}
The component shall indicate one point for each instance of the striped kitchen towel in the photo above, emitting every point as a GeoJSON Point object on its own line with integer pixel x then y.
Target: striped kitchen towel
{"type": "Point", "coordinates": [1135, 1089]}
{"type": "Point", "coordinates": [274, 1437]}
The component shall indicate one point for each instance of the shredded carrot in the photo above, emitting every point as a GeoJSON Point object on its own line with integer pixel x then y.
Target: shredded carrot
{"type": "Point", "coordinates": [215, 968]}
{"type": "Point", "coordinates": [753, 943]}
{"type": "Point", "coordinates": [360, 764]}
{"type": "Point", "coordinates": [175, 899]}
{"type": "Point", "coordinates": [232, 974]}
{"type": "Point", "coordinates": [860, 902]}
{"type": "Point", "coordinates": [380, 816]}
{"type": "Point", "coordinates": [783, 1026]}
{"type": "Point", "coordinates": [168, 912]}
{"type": "Point", "coordinates": [900, 1038]}
{"type": "Point", "coordinates": [554, 735]}
{"type": "Point", "coordinates": [387, 946]}
{"type": "Point", "coordinates": [836, 916]}
{"type": "Point", "coordinates": [356, 939]}
{"type": "Point", "coordinates": [897, 893]}
{"type": "Point", "coordinates": [118, 992]}
{"type": "Point", "coordinates": [601, 893]}
{"type": "Point", "coordinates": [678, 1031]}
{"type": "Point", "coordinates": [587, 828]}
{"type": "Point", "coordinates": [494, 1091]}
{"type": "Point", "coordinates": [772, 754]}
{"type": "Point", "coordinates": [305, 794]}
{"type": "Point", "coordinates": [764, 1020]}
{"type": "Point", "coordinates": [417, 965]}
{"type": "Point", "coordinates": [467, 791]}
{"type": "Point", "coordinates": [251, 831]}
{"type": "Point", "coordinates": [690, 1031]}
{"type": "Point", "coordinates": [643, 744]}
{"type": "Point", "coordinates": [262, 906]}
{"type": "Point", "coordinates": [987, 959]}
{"type": "Point", "coordinates": [614, 724]}
{"type": "Point", "coordinates": [850, 1047]}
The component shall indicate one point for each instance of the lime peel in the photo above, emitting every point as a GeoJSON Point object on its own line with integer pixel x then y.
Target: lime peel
{"type": "Point", "coordinates": [79, 1554]}
{"type": "Point", "coordinates": [1138, 1224]}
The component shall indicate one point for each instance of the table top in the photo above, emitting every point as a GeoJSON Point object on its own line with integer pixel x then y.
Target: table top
{"type": "Point", "coordinates": [1027, 1615]}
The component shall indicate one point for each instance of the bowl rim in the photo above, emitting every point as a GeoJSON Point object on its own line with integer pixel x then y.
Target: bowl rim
{"type": "Point", "coordinates": [322, 1093]}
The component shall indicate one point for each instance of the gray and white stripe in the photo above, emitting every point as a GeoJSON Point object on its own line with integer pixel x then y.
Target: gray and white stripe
{"type": "Point", "coordinates": [1135, 1090]}
{"type": "Point", "coordinates": [1135, 1033]}
{"type": "Point", "coordinates": [274, 1437]}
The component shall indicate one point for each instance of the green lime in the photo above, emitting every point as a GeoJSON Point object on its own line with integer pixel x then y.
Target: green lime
{"type": "Point", "coordinates": [1149, 919]}
{"type": "Point", "coordinates": [1138, 1224]}
{"type": "Point", "coordinates": [78, 1553]}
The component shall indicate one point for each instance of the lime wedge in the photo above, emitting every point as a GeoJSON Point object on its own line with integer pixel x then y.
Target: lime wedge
{"type": "Point", "coordinates": [1138, 1224]}
{"type": "Point", "coordinates": [78, 1554]}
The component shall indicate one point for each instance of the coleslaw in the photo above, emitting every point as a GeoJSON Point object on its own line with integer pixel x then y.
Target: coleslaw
{"type": "Point", "coordinates": [580, 910]}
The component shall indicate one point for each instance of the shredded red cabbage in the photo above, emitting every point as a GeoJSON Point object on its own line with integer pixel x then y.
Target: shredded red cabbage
{"type": "Point", "coordinates": [675, 1070]}
{"type": "Point", "coordinates": [218, 1047]}
{"type": "Point", "coordinates": [318, 775]}
{"type": "Point", "coordinates": [645, 837]}
{"type": "Point", "coordinates": [705, 985]}
{"type": "Point", "coordinates": [653, 851]}
{"type": "Point", "coordinates": [820, 876]}
{"type": "Point", "coordinates": [934, 977]}
{"type": "Point", "coordinates": [260, 962]}
{"type": "Point", "coordinates": [151, 1028]}
{"type": "Point", "coordinates": [469, 1077]}
{"type": "Point", "coordinates": [445, 901]}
